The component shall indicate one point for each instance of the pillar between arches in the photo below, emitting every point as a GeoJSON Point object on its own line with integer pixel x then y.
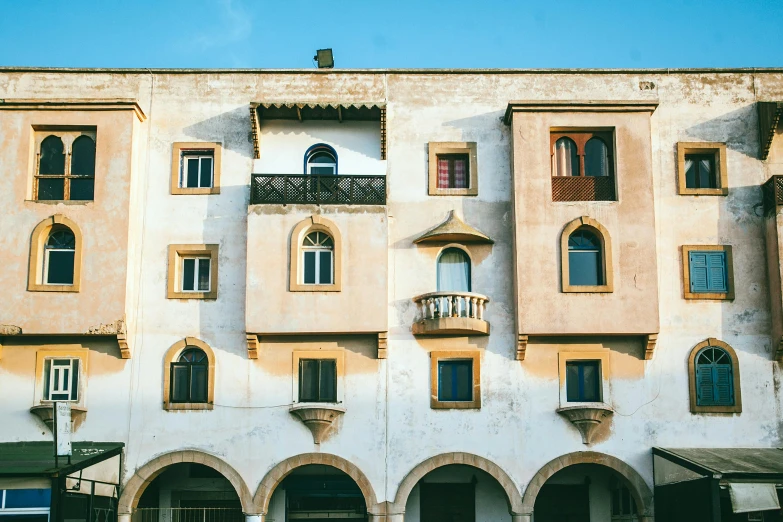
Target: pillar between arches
{"type": "Point", "coordinates": [124, 517]}
{"type": "Point", "coordinates": [253, 518]}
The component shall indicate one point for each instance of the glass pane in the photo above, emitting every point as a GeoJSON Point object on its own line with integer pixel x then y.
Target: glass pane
{"type": "Point", "coordinates": [203, 275]}
{"type": "Point", "coordinates": [206, 172]}
{"type": "Point", "coordinates": [191, 180]}
{"type": "Point", "coordinates": [75, 381]}
{"type": "Point", "coordinates": [461, 172]}
{"type": "Point", "coordinates": [52, 156]}
{"type": "Point", "coordinates": [27, 498]}
{"type": "Point", "coordinates": [566, 159]}
{"type": "Point", "coordinates": [83, 157]}
{"type": "Point", "coordinates": [51, 189]}
{"type": "Point", "coordinates": [188, 273]}
{"type": "Point", "coordinates": [322, 157]}
{"type": "Point", "coordinates": [453, 271]}
{"type": "Point", "coordinates": [596, 158]}
{"type": "Point", "coordinates": [325, 268]}
{"type": "Point", "coordinates": [572, 382]}
{"type": "Point", "coordinates": [309, 268]}
{"type": "Point", "coordinates": [444, 178]}
{"type": "Point", "coordinates": [706, 173]}
{"type": "Point", "coordinates": [83, 189]}
{"type": "Point", "coordinates": [198, 383]}
{"type": "Point", "coordinates": [590, 379]}
{"type": "Point", "coordinates": [328, 384]}
{"type": "Point", "coordinates": [445, 382]}
{"type": "Point", "coordinates": [59, 270]}
{"type": "Point", "coordinates": [464, 376]}
{"type": "Point", "coordinates": [179, 382]}
{"type": "Point", "coordinates": [584, 268]}
{"type": "Point", "coordinates": [308, 380]}
{"type": "Point", "coordinates": [46, 375]}
{"type": "Point", "coordinates": [322, 170]}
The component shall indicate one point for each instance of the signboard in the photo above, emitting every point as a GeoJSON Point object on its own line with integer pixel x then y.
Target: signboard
{"type": "Point", "coordinates": [62, 428]}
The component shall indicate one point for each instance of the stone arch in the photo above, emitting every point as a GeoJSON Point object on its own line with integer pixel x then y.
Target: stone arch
{"type": "Point", "coordinates": [586, 222]}
{"type": "Point", "coordinates": [275, 476]}
{"type": "Point", "coordinates": [638, 487]}
{"type": "Point", "coordinates": [171, 355]}
{"type": "Point", "coordinates": [312, 224]}
{"type": "Point", "coordinates": [134, 488]}
{"type": "Point", "coordinates": [695, 407]}
{"type": "Point", "coordinates": [38, 238]}
{"type": "Point", "coordinates": [465, 459]}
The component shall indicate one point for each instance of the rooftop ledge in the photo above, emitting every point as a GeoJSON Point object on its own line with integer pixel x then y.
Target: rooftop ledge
{"type": "Point", "coordinates": [641, 105]}
{"type": "Point", "coordinates": [73, 104]}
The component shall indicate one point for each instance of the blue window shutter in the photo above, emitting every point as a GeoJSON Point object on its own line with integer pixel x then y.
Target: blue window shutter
{"type": "Point", "coordinates": [717, 271]}
{"type": "Point", "coordinates": [697, 264]}
{"type": "Point", "coordinates": [705, 395]}
{"type": "Point", "coordinates": [723, 385]}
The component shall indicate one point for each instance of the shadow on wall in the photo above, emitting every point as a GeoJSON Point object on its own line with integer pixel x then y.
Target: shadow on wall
{"type": "Point", "coordinates": [232, 128]}
{"type": "Point", "coordinates": [733, 128]}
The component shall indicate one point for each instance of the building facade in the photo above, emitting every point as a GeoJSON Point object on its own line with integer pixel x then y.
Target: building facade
{"type": "Point", "coordinates": [392, 295]}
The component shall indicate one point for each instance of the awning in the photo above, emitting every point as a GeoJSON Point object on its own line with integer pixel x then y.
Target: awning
{"type": "Point", "coordinates": [769, 118]}
{"type": "Point", "coordinates": [456, 230]}
{"type": "Point", "coordinates": [727, 463]}
{"type": "Point", "coordinates": [747, 497]}
{"type": "Point", "coordinates": [36, 459]}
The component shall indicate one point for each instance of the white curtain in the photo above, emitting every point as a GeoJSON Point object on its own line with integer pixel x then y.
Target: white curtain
{"type": "Point", "coordinates": [453, 271]}
{"type": "Point", "coordinates": [565, 158]}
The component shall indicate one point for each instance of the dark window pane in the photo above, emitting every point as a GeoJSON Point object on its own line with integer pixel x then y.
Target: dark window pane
{"type": "Point", "coordinates": [590, 380]}
{"type": "Point", "coordinates": [309, 268]}
{"type": "Point", "coordinates": [27, 498]}
{"type": "Point", "coordinates": [83, 157]}
{"type": "Point", "coordinates": [455, 380]}
{"type": "Point", "coordinates": [179, 382]}
{"type": "Point", "coordinates": [325, 268]}
{"type": "Point", "coordinates": [188, 273]}
{"type": "Point", "coordinates": [583, 381]}
{"type": "Point", "coordinates": [206, 172]}
{"type": "Point", "coordinates": [192, 179]}
{"type": "Point", "coordinates": [700, 171]}
{"type": "Point", "coordinates": [75, 381]}
{"type": "Point", "coordinates": [322, 170]}
{"type": "Point", "coordinates": [572, 382]}
{"type": "Point", "coordinates": [203, 275]}
{"type": "Point", "coordinates": [59, 270]}
{"type": "Point", "coordinates": [328, 384]}
{"type": "Point", "coordinates": [198, 383]}
{"type": "Point", "coordinates": [52, 156]}
{"type": "Point", "coordinates": [584, 268]}
{"type": "Point", "coordinates": [51, 189]}
{"type": "Point", "coordinates": [464, 378]}
{"type": "Point", "coordinates": [308, 380]}
{"type": "Point", "coordinates": [83, 189]}
{"type": "Point", "coordinates": [46, 374]}
{"type": "Point", "coordinates": [445, 382]}
{"type": "Point", "coordinates": [596, 158]}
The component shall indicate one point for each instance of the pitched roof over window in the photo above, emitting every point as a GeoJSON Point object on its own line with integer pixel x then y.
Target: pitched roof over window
{"type": "Point", "coordinates": [35, 459]}
{"type": "Point", "coordinates": [455, 230]}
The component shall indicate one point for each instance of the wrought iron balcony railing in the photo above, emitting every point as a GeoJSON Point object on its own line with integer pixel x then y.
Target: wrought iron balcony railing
{"type": "Point", "coordinates": [283, 189]}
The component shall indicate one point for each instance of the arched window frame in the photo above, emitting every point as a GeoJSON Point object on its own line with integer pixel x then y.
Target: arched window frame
{"type": "Point", "coordinates": [39, 237]}
{"type": "Point", "coordinates": [735, 370]}
{"type": "Point", "coordinates": [296, 277]}
{"type": "Point", "coordinates": [315, 149]}
{"type": "Point", "coordinates": [67, 137]}
{"type": "Point", "coordinates": [464, 250]}
{"type": "Point", "coordinates": [606, 250]}
{"type": "Point", "coordinates": [172, 355]}
{"type": "Point", "coordinates": [580, 139]}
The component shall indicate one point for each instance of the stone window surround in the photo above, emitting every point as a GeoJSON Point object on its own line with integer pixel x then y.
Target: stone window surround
{"type": "Point", "coordinates": [452, 147]}
{"type": "Point", "coordinates": [337, 355]}
{"type": "Point", "coordinates": [172, 355]}
{"type": "Point", "coordinates": [177, 148]}
{"type": "Point", "coordinates": [603, 365]}
{"type": "Point", "coordinates": [686, 273]}
{"type": "Point", "coordinates": [176, 252]}
{"type": "Point", "coordinates": [443, 355]}
{"type": "Point", "coordinates": [695, 408]}
{"type": "Point", "coordinates": [54, 353]}
{"type": "Point", "coordinates": [35, 265]}
{"type": "Point", "coordinates": [719, 150]}
{"type": "Point", "coordinates": [68, 135]}
{"type": "Point", "coordinates": [606, 250]}
{"type": "Point", "coordinates": [314, 223]}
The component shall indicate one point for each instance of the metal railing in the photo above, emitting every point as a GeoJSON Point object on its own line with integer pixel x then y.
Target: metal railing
{"type": "Point", "coordinates": [284, 189]}
{"type": "Point", "coordinates": [188, 515]}
{"type": "Point", "coordinates": [583, 188]}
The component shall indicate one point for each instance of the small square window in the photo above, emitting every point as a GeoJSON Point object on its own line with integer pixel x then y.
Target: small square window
{"type": "Point", "coordinates": [61, 379]}
{"type": "Point", "coordinates": [193, 272]}
{"type": "Point", "coordinates": [701, 169]}
{"type": "Point", "coordinates": [317, 380]}
{"type": "Point", "coordinates": [453, 169]}
{"type": "Point", "coordinates": [456, 380]}
{"type": "Point", "coordinates": [707, 272]}
{"type": "Point", "coordinates": [195, 168]}
{"type": "Point", "coordinates": [583, 381]}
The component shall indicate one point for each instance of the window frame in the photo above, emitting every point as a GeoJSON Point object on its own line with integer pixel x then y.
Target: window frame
{"type": "Point", "coordinates": [581, 363]}
{"type": "Point", "coordinates": [718, 150]}
{"type": "Point", "coordinates": [199, 155]}
{"type": "Point", "coordinates": [47, 251]}
{"type": "Point", "coordinates": [49, 366]}
{"type": "Point", "coordinates": [603, 236]}
{"type": "Point", "coordinates": [197, 262]}
{"type": "Point", "coordinates": [686, 272]}
{"type": "Point", "coordinates": [179, 152]}
{"type": "Point", "coordinates": [36, 278]}
{"type": "Point", "coordinates": [604, 388]}
{"type": "Point", "coordinates": [436, 357]}
{"type": "Point", "coordinates": [173, 365]}
{"type": "Point", "coordinates": [337, 355]}
{"type": "Point", "coordinates": [442, 148]}
{"type": "Point", "coordinates": [177, 254]}
{"type": "Point", "coordinates": [317, 249]}
{"type": "Point", "coordinates": [67, 136]}
{"type": "Point", "coordinates": [735, 370]}
{"type": "Point", "coordinates": [451, 158]}
{"type": "Point", "coordinates": [580, 138]}
{"type": "Point", "coordinates": [171, 356]}
{"type": "Point", "coordinates": [320, 361]}
{"type": "Point", "coordinates": [45, 354]}
{"type": "Point", "coordinates": [314, 223]}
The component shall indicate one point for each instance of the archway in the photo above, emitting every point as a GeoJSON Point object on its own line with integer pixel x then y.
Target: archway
{"type": "Point", "coordinates": [145, 475]}
{"type": "Point", "coordinates": [457, 466]}
{"type": "Point", "coordinates": [626, 475]}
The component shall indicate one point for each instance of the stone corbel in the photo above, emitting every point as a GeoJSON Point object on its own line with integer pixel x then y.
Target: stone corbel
{"type": "Point", "coordinates": [318, 418]}
{"type": "Point", "coordinates": [252, 346]}
{"type": "Point", "coordinates": [383, 344]}
{"type": "Point", "coordinates": [650, 342]}
{"type": "Point", "coordinates": [122, 342]}
{"type": "Point", "coordinates": [586, 418]}
{"type": "Point", "coordinates": [521, 346]}
{"type": "Point", "coordinates": [45, 412]}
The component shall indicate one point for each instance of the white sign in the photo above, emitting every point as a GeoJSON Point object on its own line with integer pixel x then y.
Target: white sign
{"type": "Point", "coordinates": [62, 422]}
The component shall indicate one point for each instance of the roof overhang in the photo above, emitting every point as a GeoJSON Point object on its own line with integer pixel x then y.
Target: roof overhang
{"type": "Point", "coordinates": [578, 106]}
{"type": "Point", "coordinates": [761, 464]}
{"type": "Point", "coordinates": [454, 230]}
{"type": "Point", "coordinates": [36, 459]}
{"type": "Point", "coordinates": [769, 118]}
{"type": "Point", "coordinates": [73, 104]}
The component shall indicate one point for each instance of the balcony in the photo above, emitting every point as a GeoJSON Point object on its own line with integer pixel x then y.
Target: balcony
{"type": "Point", "coordinates": [583, 188]}
{"type": "Point", "coordinates": [284, 189]}
{"type": "Point", "coordinates": [450, 313]}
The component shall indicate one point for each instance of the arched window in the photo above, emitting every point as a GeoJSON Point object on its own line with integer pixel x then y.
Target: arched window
{"type": "Point", "coordinates": [714, 378]}
{"type": "Point", "coordinates": [190, 377]}
{"type": "Point", "coordinates": [585, 266]}
{"type": "Point", "coordinates": [318, 259]}
{"type": "Point", "coordinates": [59, 256]}
{"type": "Point", "coordinates": [321, 160]}
{"type": "Point", "coordinates": [566, 158]}
{"type": "Point", "coordinates": [83, 168]}
{"type": "Point", "coordinates": [596, 158]}
{"type": "Point", "coordinates": [453, 271]}
{"type": "Point", "coordinates": [51, 169]}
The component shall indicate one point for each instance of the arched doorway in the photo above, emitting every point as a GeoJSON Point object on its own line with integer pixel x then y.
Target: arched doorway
{"type": "Point", "coordinates": [316, 487]}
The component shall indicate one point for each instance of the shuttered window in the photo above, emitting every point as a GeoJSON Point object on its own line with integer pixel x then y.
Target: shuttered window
{"type": "Point", "coordinates": [708, 273]}
{"type": "Point", "coordinates": [714, 378]}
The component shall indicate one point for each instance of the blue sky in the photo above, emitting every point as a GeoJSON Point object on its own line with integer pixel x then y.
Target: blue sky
{"type": "Point", "coordinates": [392, 33]}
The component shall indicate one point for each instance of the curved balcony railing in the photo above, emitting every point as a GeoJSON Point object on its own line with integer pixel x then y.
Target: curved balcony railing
{"type": "Point", "coordinates": [450, 312]}
{"type": "Point", "coordinates": [318, 189]}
